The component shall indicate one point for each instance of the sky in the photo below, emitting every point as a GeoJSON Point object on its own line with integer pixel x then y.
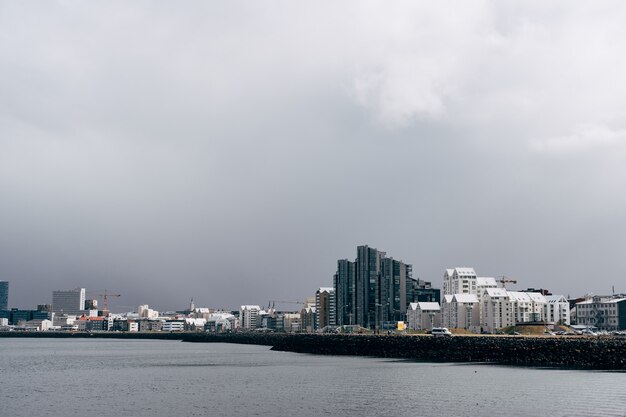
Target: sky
{"type": "Point", "coordinates": [231, 152]}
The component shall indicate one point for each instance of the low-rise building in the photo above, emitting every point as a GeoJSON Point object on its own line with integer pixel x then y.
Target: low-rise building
{"type": "Point", "coordinates": [16, 316]}
{"type": "Point", "coordinates": [173, 325]}
{"type": "Point", "coordinates": [194, 324]}
{"type": "Point", "coordinates": [220, 322]}
{"type": "Point", "coordinates": [40, 325]}
{"type": "Point", "coordinates": [96, 324]}
{"type": "Point", "coordinates": [604, 312]}
{"type": "Point", "coordinates": [423, 315]}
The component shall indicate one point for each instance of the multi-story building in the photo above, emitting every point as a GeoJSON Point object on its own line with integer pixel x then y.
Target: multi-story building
{"type": "Point", "coordinates": [557, 310]}
{"type": "Point", "coordinates": [496, 309]}
{"type": "Point", "coordinates": [372, 290]}
{"type": "Point", "coordinates": [69, 301]}
{"type": "Point", "coordinates": [324, 308]}
{"type": "Point", "coordinates": [145, 311]}
{"type": "Point", "coordinates": [603, 312]}
{"type": "Point", "coordinates": [422, 291]}
{"type": "Point", "coordinates": [219, 322]}
{"type": "Point", "coordinates": [344, 282]}
{"type": "Point", "coordinates": [423, 316]}
{"type": "Point", "coordinates": [460, 280]}
{"type": "Point", "coordinates": [397, 289]}
{"type": "Point", "coordinates": [248, 317]}
{"type": "Point", "coordinates": [368, 289]}
{"type": "Point", "coordinates": [96, 324]}
{"type": "Point", "coordinates": [150, 325]}
{"type": "Point", "coordinates": [291, 322]}
{"type": "Point", "coordinates": [16, 316]}
{"type": "Point", "coordinates": [482, 283]}
{"type": "Point", "coordinates": [461, 311]}
{"type": "Point", "coordinates": [173, 325]}
{"type": "Point", "coordinates": [308, 317]}
{"type": "Point", "coordinates": [528, 307]}
{"type": "Point", "coordinates": [4, 295]}
{"type": "Point", "coordinates": [502, 308]}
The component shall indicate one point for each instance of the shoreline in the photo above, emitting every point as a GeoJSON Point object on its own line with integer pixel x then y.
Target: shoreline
{"type": "Point", "coordinates": [605, 353]}
{"type": "Point", "coordinates": [545, 352]}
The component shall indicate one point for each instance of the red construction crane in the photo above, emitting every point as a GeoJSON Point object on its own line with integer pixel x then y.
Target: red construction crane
{"type": "Point", "coordinates": [105, 299]}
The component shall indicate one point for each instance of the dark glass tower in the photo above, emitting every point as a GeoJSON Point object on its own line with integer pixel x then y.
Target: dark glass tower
{"type": "Point", "coordinates": [345, 295]}
{"type": "Point", "coordinates": [4, 295]}
{"type": "Point", "coordinates": [372, 291]}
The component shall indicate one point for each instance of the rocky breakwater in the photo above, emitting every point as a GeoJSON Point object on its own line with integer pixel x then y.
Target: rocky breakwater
{"type": "Point", "coordinates": [560, 352]}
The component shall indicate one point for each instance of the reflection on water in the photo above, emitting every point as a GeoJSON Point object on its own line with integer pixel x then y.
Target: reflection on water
{"type": "Point", "coordinates": [60, 377]}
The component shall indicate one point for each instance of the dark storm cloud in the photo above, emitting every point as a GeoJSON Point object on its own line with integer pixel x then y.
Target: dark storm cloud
{"type": "Point", "coordinates": [233, 152]}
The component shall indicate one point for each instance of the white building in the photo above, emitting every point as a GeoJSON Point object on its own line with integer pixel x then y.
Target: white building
{"type": "Point", "coordinates": [605, 313]}
{"type": "Point", "coordinates": [423, 315]}
{"type": "Point", "coordinates": [460, 280]}
{"type": "Point", "coordinates": [68, 301]}
{"type": "Point", "coordinates": [482, 283]}
{"type": "Point", "coordinates": [194, 323]}
{"type": "Point", "coordinates": [63, 320]}
{"type": "Point", "coordinates": [557, 310]}
{"type": "Point", "coordinates": [220, 322]}
{"type": "Point", "coordinates": [248, 316]}
{"type": "Point", "coordinates": [527, 306]}
{"type": "Point", "coordinates": [461, 311]}
{"type": "Point", "coordinates": [40, 325]}
{"type": "Point", "coordinates": [144, 311]}
{"type": "Point", "coordinates": [292, 322]}
{"type": "Point", "coordinates": [502, 308]}
{"type": "Point", "coordinates": [173, 325]}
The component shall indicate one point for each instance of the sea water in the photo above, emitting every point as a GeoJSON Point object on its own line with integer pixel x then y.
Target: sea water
{"type": "Point", "coordinates": [105, 377]}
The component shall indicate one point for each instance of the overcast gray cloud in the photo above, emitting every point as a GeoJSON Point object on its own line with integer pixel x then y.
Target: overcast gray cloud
{"type": "Point", "coordinates": [232, 152]}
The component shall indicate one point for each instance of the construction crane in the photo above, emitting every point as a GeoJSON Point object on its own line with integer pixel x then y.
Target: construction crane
{"type": "Point", "coordinates": [105, 299]}
{"type": "Point", "coordinates": [272, 303]}
{"type": "Point", "coordinates": [503, 279]}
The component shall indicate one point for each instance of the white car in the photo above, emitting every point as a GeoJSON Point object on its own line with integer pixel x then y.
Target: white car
{"type": "Point", "coordinates": [440, 331]}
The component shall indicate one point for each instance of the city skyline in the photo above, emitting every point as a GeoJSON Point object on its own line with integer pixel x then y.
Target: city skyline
{"type": "Point", "coordinates": [235, 151]}
{"type": "Point", "coordinates": [358, 288]}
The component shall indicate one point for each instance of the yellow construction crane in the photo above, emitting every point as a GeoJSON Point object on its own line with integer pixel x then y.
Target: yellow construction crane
{"type": "Point", "coordinates": [503, 279]}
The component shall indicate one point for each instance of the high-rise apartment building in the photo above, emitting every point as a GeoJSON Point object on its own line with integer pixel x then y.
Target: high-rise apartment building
{"type": "Point", "coordinates": [69, 301]}
{"type": "Point", "coordinates": [373, 290]}
{"type": "Point", "coordinates": [249, 316]}
{"type": "Point", "coordinates": [4, 295]}
{"type": "Point", "coordinates": [324, 307]}
{"type": "Point", "coordinates": [368, 288]}
{"type": "Point", "coordinates": [345, 292]}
